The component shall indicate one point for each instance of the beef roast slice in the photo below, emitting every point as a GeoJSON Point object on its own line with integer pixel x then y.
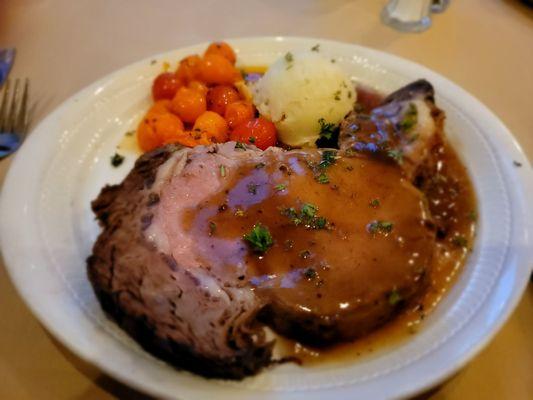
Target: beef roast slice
{"type": "Point", "coordinates": [350, 246]}
{"type": "Point", "coordinates": [175, 308]}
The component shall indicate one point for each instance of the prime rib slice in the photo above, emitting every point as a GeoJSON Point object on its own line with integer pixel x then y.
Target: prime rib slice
{"type": "Point", "coordinates": [351, 244]}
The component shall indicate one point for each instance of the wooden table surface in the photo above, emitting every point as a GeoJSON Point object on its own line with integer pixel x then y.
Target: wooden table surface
{"type": "Point", "coordinates": [486, 46]}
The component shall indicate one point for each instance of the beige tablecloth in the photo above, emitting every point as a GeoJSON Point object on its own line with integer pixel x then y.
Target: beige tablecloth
{"type": "Point", "coordinates": [486, 46]}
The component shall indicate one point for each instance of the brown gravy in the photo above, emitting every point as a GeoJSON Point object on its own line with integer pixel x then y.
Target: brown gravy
{"type": "Point", "coordinates": [324, 262]}
{"type": "Point", "coordinates": [451, 201]}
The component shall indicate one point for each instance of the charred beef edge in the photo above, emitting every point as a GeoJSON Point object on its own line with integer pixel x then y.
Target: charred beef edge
{"type": "Point", "coordinates": [181, 356]}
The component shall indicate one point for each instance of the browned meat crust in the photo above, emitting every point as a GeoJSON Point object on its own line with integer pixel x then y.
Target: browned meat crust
{"type": "Point", "coordinates": [113, 207]}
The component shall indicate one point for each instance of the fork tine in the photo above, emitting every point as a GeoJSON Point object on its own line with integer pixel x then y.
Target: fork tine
{"type": "Point", "coordinates": [21, 123]}
{"type": "Point", "coordinates": [3, 107]}
{"type": "Point", "coordinates": [13, 108]}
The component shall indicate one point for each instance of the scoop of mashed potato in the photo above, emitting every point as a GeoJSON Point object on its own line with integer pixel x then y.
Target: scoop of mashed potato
{"type": "Point", "coordinates": [300, 93]}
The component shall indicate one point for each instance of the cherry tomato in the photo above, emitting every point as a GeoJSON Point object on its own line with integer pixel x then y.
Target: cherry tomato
{"type": "Point", "coordinates": [238, 113]}
{"type": "Point", "coordinates": [213, 125]}
{"type": "Point", "coordinates": [198, 86]}
{"type": "Point", "coordinates": [258, 131]}
{"type": "Point", "coordinates": [223, 49]}
{"type": "Point", "coordinates": [217, 70]}
{"type": "Point", "coordinates": [189, 68]}
{"type": "Point", "coordinates": [220, 96]}
{"type": "Point", "coordinates": [157, 129]}
{"type": "Point", "coordinates": [165, 86]}
{"type": "Point", "coordinates": [159, 107]}
{"type": "Point", "coordinates": [188, 104]}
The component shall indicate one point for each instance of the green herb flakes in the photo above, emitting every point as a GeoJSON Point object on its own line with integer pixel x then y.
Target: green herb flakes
{"type": "Point", "coordinates": [310, 273]}
{"type": "Point", "coordinates": [259, 239]}
{"type": "Point", "coordinates": [289, 57]}
{"type": "Point", "coordinates": [212, 228]}
{"type": "Point", "coordinates": [374, 203]}
{"type": "Point", "coordinates": [252, 188]}
{"type": "Point", "coordinates": [222, 171]}
{"type": "Point", "coordinates": [326, 129]}
{"type": "Point", "coordinates": [305, 254]}
{"type": "Point", "coordinates": [280, 187]}
{"type": "Point", "coordinates": [260, 165]}
{"type": "Point", "coordinates": [322, 178]}
{"type": "Point", "coordinates": [316, 48]}
{"type": "Point", "coordinates": [240, 146]}
{"type": "Point", "coordinates": [410, 118]}
{"type": "Point", "coordinates": [329, 157]}
{"type": "Point", "coordinates": [309, 210]}
{"type": "Point", "coordinates": [117, 160]}
{"type": "Point", "coordinates": [459, 241]}
{"type": "Point", "coordinates": [306, 216]}
{"type": "Point", "coordinates": [396, 155]}
{"type": "Point", "coordinates": [394, 297]}
{"type": "Point", "coordinates": [383, 227]}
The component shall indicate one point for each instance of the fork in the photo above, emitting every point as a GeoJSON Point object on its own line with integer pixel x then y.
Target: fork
{"type": "Point", "coordinates": [13, 116]}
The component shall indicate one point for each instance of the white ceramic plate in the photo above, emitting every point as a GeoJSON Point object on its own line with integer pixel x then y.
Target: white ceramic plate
{"type": "Point", "coordinates": [48, 229]}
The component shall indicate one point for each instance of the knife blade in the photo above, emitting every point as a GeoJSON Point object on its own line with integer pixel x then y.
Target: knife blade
{"type": "Point", "coordinates": [6, 61]}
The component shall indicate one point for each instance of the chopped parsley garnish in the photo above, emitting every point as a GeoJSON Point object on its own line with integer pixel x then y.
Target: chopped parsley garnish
{"type": "Point", "coordinates": [260, 165]}
{"type": "Point", "coordinates": [394, 297]}
{"type": "Point", "coordinates": [326, 129]}
{"type": "Point", "coordinates": [212, 228]}
{"type": "Point", "coordinates": [374, 203]}
{"type": "Point", "coordinates": [472, 215]}
{"type": "Point", "coordinates": [306, 216]}
{"type": "Point", "coordinates": [329, 157]}
{"type": "Point", "coordinates": [396, 155]}
{"type": "Point", "coordinates": [322, 178]}
{"type": "Point", "coordinates": [517, 163]}
{"type": "Point", "coordinates": [316, 47]}
{"type": "Point", "coordinates": [251, 139]}
{"type": "Point", "coordinates": [459, 241]}
{"type": "Point", "coordinates": [239, 212]}
{"type": "Point", "coordinates": [310, 273]}
{"type": "Point", "coordinates": [384, 227]}
{"type": "Point", "coordinates": [116, 160]}
{"type": "Point", "coordinates": [222, 171]}
{"type": "Point", "coordinates": [130, 133]}
{"type": "Point", "coordinates": [320, 223]}
{"type": "Point", "coordinates": [252, 188]}
{"type": "Point", "coordinates": [280, 187]}
{"type": "Point", "coordinates": [309, 210]}
{"type": "Point", "coordinates": [410, 118]}
{"type": "Point", "coordinates": [337, 95]}
{"type": "Point", "coordinates": [240, 146]}
{"type": "Point", "coordinates": [259, 239]}
{"type": "Point", "coordinates": [305, 254]}
{"type": "Point", "coordinates": [289, 57]}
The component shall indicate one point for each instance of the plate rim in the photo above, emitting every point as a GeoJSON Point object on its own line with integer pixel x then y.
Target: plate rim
{"type": "Point", "coordinates": [524, 177]}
